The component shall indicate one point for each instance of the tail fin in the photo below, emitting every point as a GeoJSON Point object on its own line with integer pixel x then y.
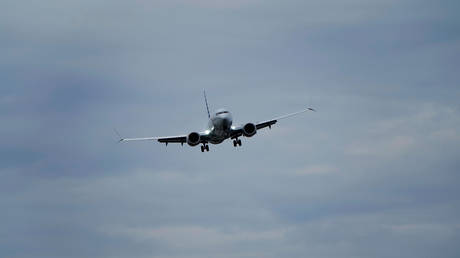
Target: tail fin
{"type": "Point", "coordinates": [206, 101]}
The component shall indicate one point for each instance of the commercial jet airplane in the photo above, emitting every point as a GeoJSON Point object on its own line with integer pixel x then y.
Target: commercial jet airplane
{"type": "Point", "coordinates": [219, 129]}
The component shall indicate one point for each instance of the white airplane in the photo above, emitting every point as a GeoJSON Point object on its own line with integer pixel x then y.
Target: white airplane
{"type": "Point", "coordinates": [219, 129]}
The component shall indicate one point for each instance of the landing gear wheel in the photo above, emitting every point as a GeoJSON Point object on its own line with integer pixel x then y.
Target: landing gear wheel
{"type": "Point", "coordinates": [239, 142]}
{"type": "Point", "coordinates": [235, 143]}
{"type": "Point", "coordinates": [204, 147]}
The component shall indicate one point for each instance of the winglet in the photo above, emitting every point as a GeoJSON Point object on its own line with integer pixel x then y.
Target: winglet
{"type": "Point", "coordinates": [206, 101]}
{"type": "Point", "coordinates": [118, 134]}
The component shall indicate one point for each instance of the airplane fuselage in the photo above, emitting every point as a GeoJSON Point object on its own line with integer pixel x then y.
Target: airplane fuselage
{"type": "Point", "coordinates": [219, 126]}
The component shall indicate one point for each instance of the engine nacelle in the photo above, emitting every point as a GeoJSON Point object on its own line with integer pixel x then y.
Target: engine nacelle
{"type": "Point", "coordinates": [249, 129]}
{"type": "Point", "coordinates": [193, 139]}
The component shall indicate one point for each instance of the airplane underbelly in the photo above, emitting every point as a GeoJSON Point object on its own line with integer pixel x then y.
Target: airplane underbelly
{"type": "Point", "coordinates": [216, 141]}
{"type": "Point", "coordinates": [218, 136]}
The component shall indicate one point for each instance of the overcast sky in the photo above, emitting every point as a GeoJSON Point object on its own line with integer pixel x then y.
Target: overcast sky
{"type": "Point", "coordinates": [374, 173]}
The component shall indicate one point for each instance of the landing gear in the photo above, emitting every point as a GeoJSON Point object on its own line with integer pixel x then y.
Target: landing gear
{"type": "Point", "coordinates": [204, 147]}
{"type": "Point", "coordinates": [236, 142]}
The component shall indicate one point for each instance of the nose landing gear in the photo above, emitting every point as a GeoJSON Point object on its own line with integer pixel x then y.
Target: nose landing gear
{"type": "Point", "coordinates": [236, 142]}
{"type": "Point", "coordinates": [204, 147]}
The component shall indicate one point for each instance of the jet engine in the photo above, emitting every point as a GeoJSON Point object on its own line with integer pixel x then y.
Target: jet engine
{"type": "Point", "coordinates": [249, 130]}
{"type": "Point", "coordinates": [193, 139]}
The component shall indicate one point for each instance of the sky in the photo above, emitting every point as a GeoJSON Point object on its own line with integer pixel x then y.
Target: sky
{"type": "Point", "coordinates": [373, 173]}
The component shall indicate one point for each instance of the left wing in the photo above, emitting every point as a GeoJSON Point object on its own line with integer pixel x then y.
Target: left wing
{"type": "Point", "coordinates": [271, 122]}
{"type": "Point", "coordinates": [238, 131]}
{"type": "Point", "coordinates": [204, 138]}
{"type": "Point", "coordinates": [168, 139]}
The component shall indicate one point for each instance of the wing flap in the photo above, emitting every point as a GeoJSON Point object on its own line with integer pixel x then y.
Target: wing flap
{"type": "Point", "coordinates": [175, 139]}
{"type": "Point", "coordinates": [265, 124]}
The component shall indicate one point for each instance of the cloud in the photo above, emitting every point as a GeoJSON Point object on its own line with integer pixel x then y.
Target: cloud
{"type": "Point", "coordinates": [194, 237]}
{"type": "Point", "coordinates": [376, 166]}
{"type": "Point", "coordinates": [420, 128]}
{"type": "Point", "coordinates": [317, 169]}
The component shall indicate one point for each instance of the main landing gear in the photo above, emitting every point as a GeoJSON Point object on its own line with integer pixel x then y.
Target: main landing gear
{"type": "Point", "coordinates": [204, 147]}
{"type": "Point", "coordinates": [236, 142]}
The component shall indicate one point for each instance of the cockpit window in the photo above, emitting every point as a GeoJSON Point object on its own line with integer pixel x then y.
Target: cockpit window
{"type": "Point", "coordinates": [221, 112]}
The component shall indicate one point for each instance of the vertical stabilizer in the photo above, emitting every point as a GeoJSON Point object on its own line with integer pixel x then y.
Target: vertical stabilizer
{"type": "Point", "coordinates": [206, 101]}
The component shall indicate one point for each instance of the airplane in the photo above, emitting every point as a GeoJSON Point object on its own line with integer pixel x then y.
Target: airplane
{"type": "Point", "coordinates": [220, 128]}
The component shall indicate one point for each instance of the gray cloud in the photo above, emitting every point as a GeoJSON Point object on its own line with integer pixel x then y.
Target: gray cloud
{"type": "Point", "coordinates": [373, 174]}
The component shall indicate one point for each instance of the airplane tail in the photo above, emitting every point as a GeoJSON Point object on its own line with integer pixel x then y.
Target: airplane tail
{"type": "Point", "coordinates": [206, 101]}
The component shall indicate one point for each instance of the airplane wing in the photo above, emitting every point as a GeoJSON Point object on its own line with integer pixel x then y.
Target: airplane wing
{"type": "Point", "coordinates": [271, 122]}
{"type": "Point", "coordinates": [238, 131]}
{"type": "Point", "coordinates": [168, 139]}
